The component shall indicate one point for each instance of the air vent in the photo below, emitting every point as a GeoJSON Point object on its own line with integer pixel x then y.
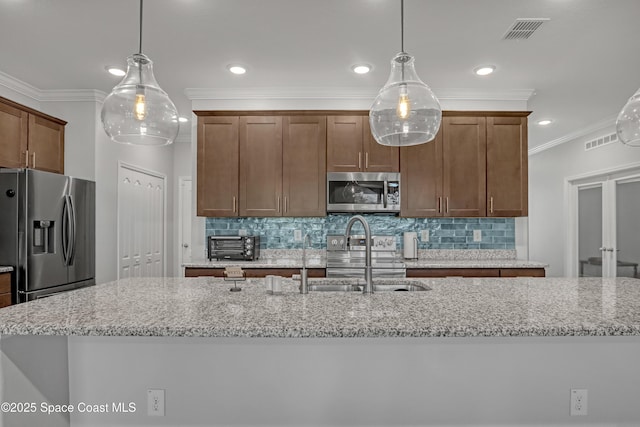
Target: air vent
{"type": "Point", "coordinates": [523, 28]}
{"type": "Point", "coordinates": [600, 142]}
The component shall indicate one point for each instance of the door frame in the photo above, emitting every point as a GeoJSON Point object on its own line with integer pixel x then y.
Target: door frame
{"type": "Point", "coordinates": [608, 178]}
{"type": "Point", "coordinates": [155, 174]}
{"type": "Point", "coordinates": [181, 180]}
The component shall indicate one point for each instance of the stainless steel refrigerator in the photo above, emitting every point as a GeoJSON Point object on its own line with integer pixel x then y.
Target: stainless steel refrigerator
{"type": "Point", "coordinates": [47, 232]}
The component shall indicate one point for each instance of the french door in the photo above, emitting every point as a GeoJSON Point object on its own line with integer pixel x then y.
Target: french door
{"type": "Point", "coordinates": [606, 235]}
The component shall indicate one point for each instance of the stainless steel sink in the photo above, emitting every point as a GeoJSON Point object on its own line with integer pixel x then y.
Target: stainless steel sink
{"type": "Point", "coordinates": [342, 285]}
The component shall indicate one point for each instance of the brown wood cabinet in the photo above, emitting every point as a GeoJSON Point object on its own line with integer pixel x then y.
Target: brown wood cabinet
{"type": "Point", "coordinates": [304, 165]}
{"type": "Point", "coordinates": [475, 167]}
{"type": "Point", "coordinates": [218, 166]}
{"type": "Point", "coordinates": [475, 272]}
{"type": "Point", "coordinates": [507, 170]}
{"type": "Point", "coordinates": [261, 165]}
{"type": "Point", "coordinates": [29, 138]}
{"type": "Point", "coordinates": [352, 148]}
{"type": "Point", "coordinates": [252, 272]}
{"type": "Point", "coordinates": [5, 289]}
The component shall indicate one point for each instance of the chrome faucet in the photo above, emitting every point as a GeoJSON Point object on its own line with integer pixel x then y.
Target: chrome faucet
{"type": "Point", "coordinates": [368, 287]}
{"type": "Point", "coordinates": [304, 284]}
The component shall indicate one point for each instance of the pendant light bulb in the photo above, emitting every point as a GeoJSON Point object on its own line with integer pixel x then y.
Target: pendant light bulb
{"type": "Point", "coordinates": [628, 122]}
{"type": "Point", "coordinates": [404, 107]}
{"type": "Point", "coordinates": [405, 112]}
{"type": "Point", "coordinates": [138, 111]}
{"type": "Point", "coordinates": [140, 107]}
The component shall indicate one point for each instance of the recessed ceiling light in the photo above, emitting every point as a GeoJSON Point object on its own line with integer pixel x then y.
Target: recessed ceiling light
{"type": "Point", "coordinates": [115, 70]}
{"type": "Point", "coordinates": [237, 69]}
{"type": "Point", "coordinates": [183, 119]}
{"type": "Point", "coordinates": [361, 68]}
{"type": "Point", "coordinates": [484, 70]}
{"type": "Point", "coordinates": [545, 122]}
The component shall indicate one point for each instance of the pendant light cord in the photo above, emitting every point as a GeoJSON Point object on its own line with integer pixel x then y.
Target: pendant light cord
{"type": "Point", "coordinates": [401, 26]}
{"type": "Point", "coordinates": [140, 45]}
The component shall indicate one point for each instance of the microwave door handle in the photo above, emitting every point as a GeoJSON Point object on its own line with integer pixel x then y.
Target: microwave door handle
{"type": "Point", "coordinates": [385, 193]}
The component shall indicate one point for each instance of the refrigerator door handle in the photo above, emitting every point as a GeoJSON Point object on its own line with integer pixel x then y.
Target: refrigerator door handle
{"type": "Point", "coordinates": [65, 231]}
{"type": "Point", "coordinates": [72, 239]}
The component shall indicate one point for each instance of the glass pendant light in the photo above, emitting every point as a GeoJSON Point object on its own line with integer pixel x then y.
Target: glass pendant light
{"type": "Point", "coordinates": [405, 112]}
{"type": "Point", "coordinates": [138, 111]}
{"type": "Point", "coordinates": [628, 122]}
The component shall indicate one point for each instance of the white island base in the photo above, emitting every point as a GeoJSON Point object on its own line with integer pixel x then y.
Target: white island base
{"type": "Point", "coordinates": [488, 381]}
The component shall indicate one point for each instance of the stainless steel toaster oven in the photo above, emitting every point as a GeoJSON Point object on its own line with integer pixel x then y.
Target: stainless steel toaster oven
{"type": "Point", "coordinates": [245, 248]}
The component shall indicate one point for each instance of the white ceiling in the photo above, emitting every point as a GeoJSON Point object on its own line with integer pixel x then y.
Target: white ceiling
{"type": "Point", "coordinates": [583, 64]}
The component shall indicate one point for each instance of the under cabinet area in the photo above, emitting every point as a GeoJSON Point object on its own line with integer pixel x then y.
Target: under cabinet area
{"type": "Point", "coordinates": [30, 139]}
{"type": "Point", "coordinates": [475, 167]}
{"type": "Point", "coordinates": [352, 148]}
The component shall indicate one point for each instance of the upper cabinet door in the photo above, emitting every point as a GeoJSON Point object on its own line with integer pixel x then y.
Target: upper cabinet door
{"type": "Point", "coordinates": [464, 165]}
{"type": "Point", "coordinates": [13, 136]}
{"type": "Point", "coordinates": [421, 179]}
{"type": "Point", "coordinates": [507, 177]}
{"type": "Point", "coordinates": [377, 157]}
{"type": "Point", "coordinates": [261, 166]}
{"type": "Point", "coordinates": [218, 166]}
{"type": "Point", "coordinates": [344, 144]}
{"type": "Point", "coordinates": [46, 144]}
{"type": "Point", "coordinates": [304, 166]}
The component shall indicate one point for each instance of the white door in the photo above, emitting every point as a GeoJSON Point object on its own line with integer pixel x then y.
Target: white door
{"type": "Point", "coordinates": [141, 223]}
{"type": "Point", "coordinates": [606, 239]}
{"type": "Point", "coordinates": [185, 212]}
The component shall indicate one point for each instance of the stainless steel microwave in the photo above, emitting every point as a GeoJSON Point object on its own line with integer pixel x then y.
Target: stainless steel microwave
{"type": "Point", "coordinates": [363, 192]}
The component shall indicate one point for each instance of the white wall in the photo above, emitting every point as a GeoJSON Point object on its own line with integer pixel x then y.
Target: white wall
{"type": "Point", "coordinates": [548, 170]}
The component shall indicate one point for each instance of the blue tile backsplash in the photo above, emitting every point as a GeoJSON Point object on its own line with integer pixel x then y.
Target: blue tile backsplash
{"type": "Point", "coordinates": [444, 233]}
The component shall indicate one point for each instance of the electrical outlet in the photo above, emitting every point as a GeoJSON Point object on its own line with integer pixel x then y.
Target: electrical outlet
{"type": "Point", "coordinates": [242, 232]}
{"type": "Point", "coordinates": [297, 235]}
{"type": "Point", "coordinates": [477, 235]}
{"type": "Point", "coordinates": [424, 235]}
{"type": "Point", "coordinates": [155, 403]}
{"type": "Point", "coordinates": [578, 401]}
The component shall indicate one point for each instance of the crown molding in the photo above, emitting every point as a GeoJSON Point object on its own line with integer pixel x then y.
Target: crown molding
{"type": "Point", "coordinates": [601, 125]}
{"type": "Point", "coordinates": [73, 95]}
{"type": "Point", "coordinates": [346, 93]}
{"type": "Point", "coordinates": [19, 86]}
{"type": "Point", "coordinates": [39, 95]}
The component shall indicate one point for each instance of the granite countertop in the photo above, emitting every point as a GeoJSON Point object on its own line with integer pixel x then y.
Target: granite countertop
{"type": "Point", "coordinates": [5, 269]}
{"type": "Point", "coordinates": [454, 307]}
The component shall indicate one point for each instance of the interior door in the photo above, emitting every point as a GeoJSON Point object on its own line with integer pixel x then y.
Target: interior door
{"type": "Point", "coordinates": [590, 231]}
{"type": "Point", "coordinates": [627, 252]}
{"type": "Point", "coordinates": [141, 223]}
{"type": "Point", "coordinates": [184, 238]}
{"type": "Point", "coordinates": [607, 243]}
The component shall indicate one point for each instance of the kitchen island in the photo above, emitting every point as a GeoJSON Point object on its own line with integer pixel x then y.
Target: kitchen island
{"type": "Point", "coordinates": [509, 349]}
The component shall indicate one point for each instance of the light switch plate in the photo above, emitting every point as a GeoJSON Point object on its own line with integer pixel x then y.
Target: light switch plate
{"type": "Point", "coordinates": [297, 235]}
{"type": "Point", "coordinates": [242, 232]}
{"type": "Point", "coordinates": [424, 235]}
{"type": "Point", "coordinates": [477, 235]}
